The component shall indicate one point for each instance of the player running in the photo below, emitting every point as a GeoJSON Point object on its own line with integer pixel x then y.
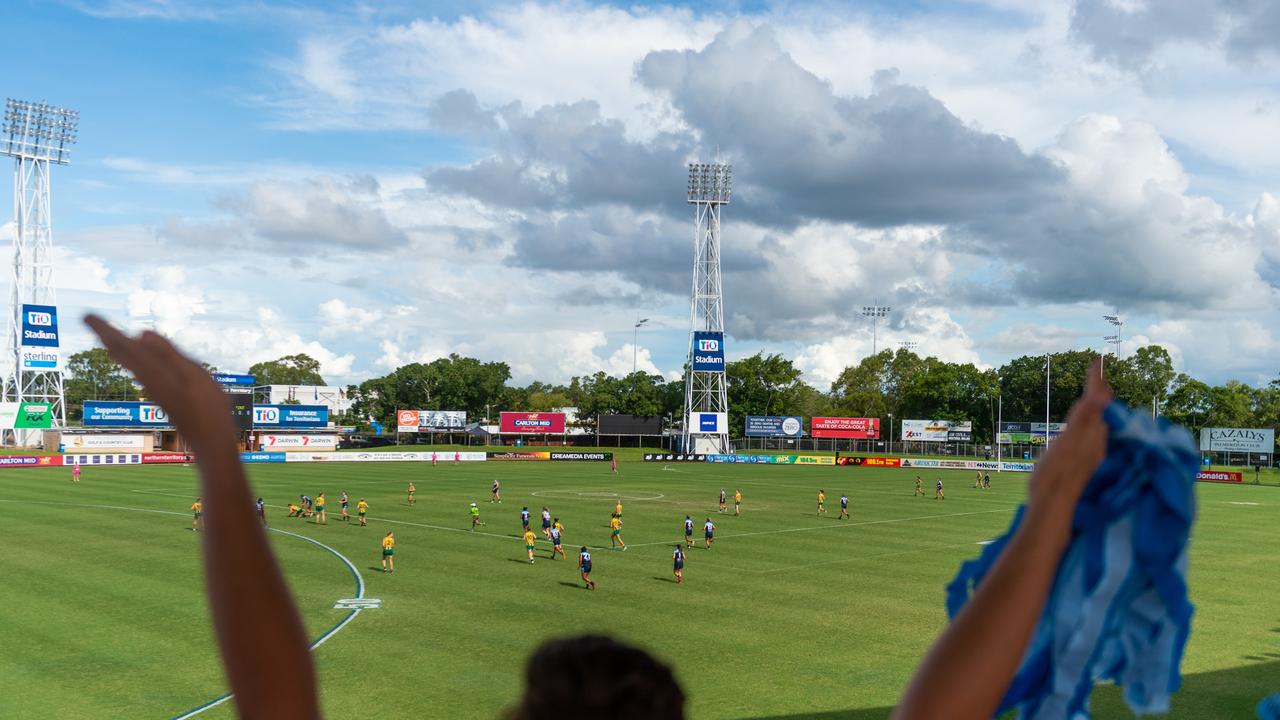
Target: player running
{"type": "Point", "coordinates": [389, 552]}
{"type": "Point", "coordinates": [708, 533]}
{"type": "Point", "coordinates": [721, 499]}
{"type": "Point", "coordinates": [677, 561]}
{"type": "Point", "coordinates": [584, 566]}
{"type": "Point", "coordinates": [475, 516]}
{"type": "Point", "coordinates": [822, 502]}
{"type": "Point", "coordinates": [306, 505]}
{"type": "Point", "coordinates": [557, 531]}
{"type": "Point", "coordinates": [617, 509]}
{"type": "Point", "coordinates": [546, 522]}
{"type": "Point", "coordinates": [615, 537]}
{"type": "Point", "coordinates": [261, 507]}
{"type": "Point", "coordinates": [919, 486]}
{"type": "Point", "coordinates": [844, 506]}
{"type": "Point", "coordinates": [412, 489]}
{"type": "Point", "coordinates": [529, 540]}
{"type": "Point", "coordinates": [495, 493]}
{"type": "Point", "coordinates": [737, 502]}
{"type": "Point", "coordinates": [197, 508]}
{"type": "Point", "coordinates": [937, 491]}
{"type": "Point", "coordinates": [688, 531]}
{"type": "Point", "coordinates": [362, 507]}
{"type": "Point", "coordinates": [320, 507]}
{"type": "Point", "coordinates": [344, 501]}
{"type": "Point", "coordinates": [524, 518]}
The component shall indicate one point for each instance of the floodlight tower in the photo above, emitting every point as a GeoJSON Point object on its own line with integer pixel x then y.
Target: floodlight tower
{"type": "Point", "coordinates": [875, 312]}
{"type": "Point", "coordinates": [37, 136]}
{"type": "Point", "coordinates": [705, 389]}
{"type": "Point", "coordinates": [1115, 321]}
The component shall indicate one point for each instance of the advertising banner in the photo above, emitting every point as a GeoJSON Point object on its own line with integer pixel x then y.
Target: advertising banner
{"type": "Point", "coordinates": [710, 423]}
{"type": "Point", "coordinates": [233, 379]}
{"type": "Point", "coordinates": [1253, 440]}
{"type": "Point", "coordinates": [538, 423]}
{"type": "Point", "coordinates": [442, 419]}
{"type": "Point", "coordinates": [407, 421]}
{"type": "Point", "coordinates": [165, 458]}
{"type": "Point", "coordinates": [263, 457]}
{"type": "Point", "coordinates": [567, 455]}
{"type": "Point", "coordinates": [851, 461]}
{"type": "Point", "coordinates": [115, 413]}
{"type": "Point", "coordinates": [804, 460]}
{"type": "Point", "coordinates": [442, 456]}
{"type": "Point", "coordinates": [290, 416]}
{"type": "Point", "coordinates": [674, 457]}
{"type": "Point", "coordinates": [708, 352]}
{"type": "Point", "coordinates": [8, 461]}
{"type": "Point", "coordinates": [1219, 476]}
{"type": "Point", "coordinates": [937, 430]}
{"type": "Point", "coordinates": [318, 442]}
{"type": "Point", "coordinates": [630, 425]}
{"type": "Point", "coordinates": [520, 455]}
{"type": "Point", "coordinates": [26, 415]}
{"type": "Point", "coordinates": [39, 342]}
{"type": "Point", "coordinates": [103, 459]}
{"type": "Point", "coordinates": [844, 427]}
{"type": "Point", "coordinates": [78, 443]}
{"type": "Point", "coordinates": [1022, 433]}
{"type": "Point", "coordinates": [774, 426]}
{"type": "Point", "coordinates": [742, 459]}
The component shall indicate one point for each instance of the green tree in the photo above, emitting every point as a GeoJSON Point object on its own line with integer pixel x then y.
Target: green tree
{"type": "Point", "coordinates": [760, 385]}
{"type": "Point", "coordinates": [93, 375]}
{"type": "Point", "coordinates": [300, 369]}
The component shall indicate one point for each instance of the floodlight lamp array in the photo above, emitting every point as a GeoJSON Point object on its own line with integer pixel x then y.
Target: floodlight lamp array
{"type": "Point", "coordinates": [38, 131]}
{"type": "Point", "coordinates": [874, 311]}
{"type": "Point", "coordinates": [710, 182]}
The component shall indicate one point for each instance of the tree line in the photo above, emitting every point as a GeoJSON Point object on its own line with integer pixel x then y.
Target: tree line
{"type": "Point", "coordinates": [890, 384]}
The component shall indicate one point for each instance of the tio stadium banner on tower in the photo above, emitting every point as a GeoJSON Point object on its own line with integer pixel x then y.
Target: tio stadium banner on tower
{"type": "Point", "coordinates": [708, 351]}
{"type": "Point", "coordinates": [845, 428]}
{"type": "Point", "coordinates": [774, 426]}
{"type": "Point", "coordinates": [116, 413]}
{"type": "Point", "coordinates": [1254, 440]}
{"type": "Point", "coordinates": [39, 343]}
{"type": "Point", "coordinates": [290, 416]}
{"type": "Point", "coordinates": [551, 423]}
{"type": "Point", "coordinates": [937, 430]}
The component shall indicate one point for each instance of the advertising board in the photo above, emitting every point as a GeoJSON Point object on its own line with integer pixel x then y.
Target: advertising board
{"type": "Point", "coordinates": [78, 443]}
{"type": "Point", "coordinates": [1252, 440]}
{"type": "Point", "coordinates": [845, 427]}
{"type": "Point", "coordinates": [233, 379]}
{"type": "Point", "coordinates": [117, 413]}
{"type": "Point", "coordinates": [774, 426]}
{"type": "Point", "coordinates": [20, 461]}
{"type": "Point", "coordinates": [290, 416]}
{"type": "Point", "coordinates": [39, 342]}
{"type": "Point", "coordinates": [854, 461]}
{"type": "Point", "coordinates": [709, 423]}
{"type": "Point", "coordinates": [103, 459]}
{"type": "Point", "coordinates": [708, 351]}
{"type": "Point", "coordinates": [674, 457]}
{"type": "Point", "coordinates": [429, 420]}
{"type": "Point", "coordinates": [580, 456]}
{"type": "Point", "coordinates": [26, 415]}
{"type": "Point", "coordinates": [165, 458]}
{"type": "Point", "coordinates": [318, 442]}
{"type": "Point", "coordinates": [520, 455]}
{"type": "Point", "coordinates": [1220, 476]}
{"type": "Point", "coordinates": [937, 430]}
{"type": "Point", "coordinates": [1024, 433]}
{"type": "Point", "coordinates": [630, 425]}
{"type": "Point", "coordinates": [449, 456]}
{"type": "Point", "coordinates": [538, 423]}
{"type": "Point", "coordinates": [407, 421]}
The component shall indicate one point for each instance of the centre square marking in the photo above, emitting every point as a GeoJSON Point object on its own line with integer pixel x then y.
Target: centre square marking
{"type": "Point", "coordinates": [357, 604]}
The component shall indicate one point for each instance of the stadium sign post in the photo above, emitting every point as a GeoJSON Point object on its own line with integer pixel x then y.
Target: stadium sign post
{"type": "Point", "coordinates": [706, 402]}
{"type": "Point", "coordinates": [37, 136]}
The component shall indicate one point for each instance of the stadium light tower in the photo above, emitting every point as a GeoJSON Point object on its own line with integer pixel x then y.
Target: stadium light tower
{"type": "Point", "coordinates": [706, 402]}
{"type": "Point", "coordinates": [1118, 324]}
{"type": "Point", "coordinates": [37, 136]}
{"type": "Point", "coordinates": [909, 345]}
{"type": "Point", "coordinates": [875, 312]}
{"type": "Point", "coordinates": [635, 337]}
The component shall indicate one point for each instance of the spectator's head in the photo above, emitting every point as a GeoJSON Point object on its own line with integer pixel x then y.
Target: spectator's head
{"type": "Point", "coordinates": [597, 677]}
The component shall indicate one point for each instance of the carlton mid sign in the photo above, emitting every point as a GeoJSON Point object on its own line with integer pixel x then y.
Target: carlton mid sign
{"type": "Point", "coordinates": [845, 427]}
{"type": "Point", "coordinates": [1260, 440]}
{"type": "Point", "coordinates": [550, 423]}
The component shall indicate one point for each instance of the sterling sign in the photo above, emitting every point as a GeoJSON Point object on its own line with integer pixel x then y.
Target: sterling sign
{"type": "Point", "coordinates": [1259, 440]}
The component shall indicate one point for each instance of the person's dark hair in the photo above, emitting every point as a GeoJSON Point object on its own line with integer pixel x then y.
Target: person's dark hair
{"type": "Point", "coordinates": [594, 676]}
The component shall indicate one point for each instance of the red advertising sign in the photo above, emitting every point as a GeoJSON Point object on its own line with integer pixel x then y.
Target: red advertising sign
{"type": "Point", "coordinates": [869, 461]}
{"type": "Point", "coordinates": [847, 428]}
{"type": "Point", "coordinates": [165, 458]}
{"type": "Point", "coordinates": [1219, 476]}
{"type": "Point", "coordinates": [531, 423]}
{"type": "Point", "coordinates": [30, 460]}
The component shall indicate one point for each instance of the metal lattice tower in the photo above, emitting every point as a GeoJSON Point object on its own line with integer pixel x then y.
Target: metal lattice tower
{"type": "Point", "coordinates": [37, 136]}
{"type": "Point", "coordinates": [706, 391]}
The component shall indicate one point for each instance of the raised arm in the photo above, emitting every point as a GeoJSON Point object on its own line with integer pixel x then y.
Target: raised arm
{"type": "Point", "coordinates": [264, 646]}
{"type": "Point", "coordinates": [993, 629]}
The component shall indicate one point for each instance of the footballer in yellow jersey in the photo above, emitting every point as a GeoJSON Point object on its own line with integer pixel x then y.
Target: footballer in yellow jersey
{"type": "Point", "coordinates": [362, 507]}
{"type": "Point", "coordinates": [529, 541]}
{"type": "Point", "coordinates": [412, 489]}
{"type": "Point", "coordinates": [822, 502]}
{"type": "Point", "coordinates": [737, 502]}
{"type": "Point", "coordinates": [197, 509]}
{"type": "Point", "coordinates": [389, 552]}
{"type": "Point", "coordinates": [320, 508]}
{"type": "Point", "coordinates": [615, 538]}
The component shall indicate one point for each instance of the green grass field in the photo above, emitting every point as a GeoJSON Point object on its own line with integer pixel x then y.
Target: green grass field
{"type": "Point", "coordinates": [788, 616]}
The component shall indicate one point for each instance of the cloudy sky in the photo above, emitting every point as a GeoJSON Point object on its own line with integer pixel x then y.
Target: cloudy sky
{"type": "Point", "coordinates": [380, 183]}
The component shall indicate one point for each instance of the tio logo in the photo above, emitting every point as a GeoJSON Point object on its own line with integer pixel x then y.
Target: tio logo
{"type": "Point", "coordinates": [39, 318]}
{"type": "Point", "coordinates": [266, 416]}
{"type": "Point", "coordinates": [708, 345]}
{"type": "Point", "coordinates": [152, 414]}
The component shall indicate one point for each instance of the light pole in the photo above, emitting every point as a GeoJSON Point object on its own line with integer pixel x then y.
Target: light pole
{"type": "Point", "coordinates": [635, 335]}
{"type": "Point", "coordinates": [1047, 360]}
{"type": "Point", "coordinates": [875, 312]}
{"type": "Point", "coordinates": [1118, 324]}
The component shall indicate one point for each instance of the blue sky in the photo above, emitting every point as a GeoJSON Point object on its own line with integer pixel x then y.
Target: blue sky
{"type": "Point", "coordinates": [378, 184]}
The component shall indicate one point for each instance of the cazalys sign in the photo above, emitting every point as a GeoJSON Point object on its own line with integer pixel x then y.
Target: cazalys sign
{"type": "Point", "coordinates": [1252, 440]}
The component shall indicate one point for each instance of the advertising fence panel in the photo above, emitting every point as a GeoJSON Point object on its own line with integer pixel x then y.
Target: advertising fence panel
{"type": "Point", "coordinates": [674, 457]}
{"type": "Point", "coordinates": [774, 426]}
{"type": "Point", "coordinates": [1219, 476]}
{"type": "Point", "coordinates": [630, 425]}
{"type": "Point", "coordinates": [290, 416]}
{"type": "Point", "coordinates": [538, 423]}
{"type": "Point", "coordinates": [845, 427]}
{"type": "Point", "coordinates": [1252, 440]}
{"type": "Point", "coordinates": [937, 430]}
{"type": "Point", "coordinates": [317, 442]}
{"type": "Point", "coordinates": [853, 461]}
{"type": "Point", "coordinates": [416, 456]}
{"type": "Point", "coordinates": [103, 459]}
{"type": "Point", "coordinates": [21, 461]}
{"type": "Point", "coordinates": [165, 458]}
{"type": "Point", "coordinates": [581, 456]}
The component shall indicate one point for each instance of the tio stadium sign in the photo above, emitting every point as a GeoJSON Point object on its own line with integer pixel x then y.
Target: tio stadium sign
{"type": "Point", "coordinates": [550, 423]}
